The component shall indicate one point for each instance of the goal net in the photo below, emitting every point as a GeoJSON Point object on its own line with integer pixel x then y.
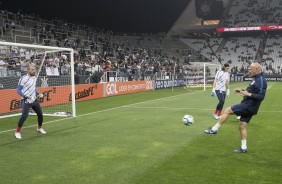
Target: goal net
{"type": "Point", "coordinates": [200, 75]}
{"type": "Point", "coordinates": [54, 72]}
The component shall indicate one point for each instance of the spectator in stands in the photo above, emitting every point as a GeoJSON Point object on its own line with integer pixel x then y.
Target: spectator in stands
{"type": "Point", "coordinates": [76, 78]}
{"type": "Point", "coordinates": [3, 68]}
{"type": "Point", "coordinates": [107, 69]}
{"type": "Point", "coordinates": [88, 68]}
{"type": "Point", "coordinates": [82, 54]}
{"type": "Point", "coordinates": [6, 26]}
{"type": "Point", "coordinates": [97, 67]}
{"type": "Point", "coordinates": [18, 67]}
{"type": "Point", "coordinates": [22, 52]}
{"type": "Point", "coordinates": [28, 54]}
{"type": "Point", "coordinates": [138, 70]}
{"type": "Point", "coordinates": [13, 25]}
{"type": "Point", "coordinates": [11, 67]}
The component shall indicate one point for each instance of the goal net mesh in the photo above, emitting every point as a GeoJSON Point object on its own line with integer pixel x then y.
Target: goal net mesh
{"type": "Point", "coordinates": [53, 74]}
{"type": "Point", "coordinates": [201, 75]}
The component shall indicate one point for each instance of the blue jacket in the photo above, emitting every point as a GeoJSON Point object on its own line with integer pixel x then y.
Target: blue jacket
{"type": "Point", "coordinates": [258, 89]}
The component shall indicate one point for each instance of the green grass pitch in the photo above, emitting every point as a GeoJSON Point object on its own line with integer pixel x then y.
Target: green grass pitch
{"type": "Point", "coordinates": [140, 139]}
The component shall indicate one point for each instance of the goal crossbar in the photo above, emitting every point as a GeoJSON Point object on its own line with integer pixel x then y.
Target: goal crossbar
{"type": "Point", "coordinates": [35, 46]}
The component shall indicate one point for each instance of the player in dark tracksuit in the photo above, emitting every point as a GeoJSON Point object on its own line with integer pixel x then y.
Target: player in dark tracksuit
{"type": "Point", "coordinates": [249, 106]}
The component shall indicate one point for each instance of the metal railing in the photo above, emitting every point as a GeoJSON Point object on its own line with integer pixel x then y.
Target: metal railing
{"type": "Point", "coordinates": [19, 31]}
{"type": "Point", "coordinates": [15, 25]}
{"type": "Point", "coordinates": [21, 36]}
{"type": "Point", "coordinates": [42, 34]}
{"type": "Point", "coordinates": [1, 29]}
{"type": "Point", "coordinates": [55, 42]}
{"type": "Point", "coordinates": [87, 81]}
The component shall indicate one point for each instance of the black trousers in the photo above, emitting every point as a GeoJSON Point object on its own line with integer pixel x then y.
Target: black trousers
{"type": "Point", "coordinates": [25, 110]}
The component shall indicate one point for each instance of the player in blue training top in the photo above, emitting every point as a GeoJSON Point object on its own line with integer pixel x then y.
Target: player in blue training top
{"type": "Point", "coordinates": [27, 90]}
{"type": "Point", "coordinates": [221, 89]}
{"type": "Point", "coordinates": [249, 106]}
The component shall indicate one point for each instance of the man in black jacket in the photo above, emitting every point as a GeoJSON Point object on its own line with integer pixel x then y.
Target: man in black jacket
{"type": "Point", "coordinates": [249, 106]}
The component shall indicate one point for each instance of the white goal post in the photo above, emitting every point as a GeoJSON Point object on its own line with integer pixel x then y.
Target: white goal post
{"type": "Point", "coordinates": [200, 75]}
{"type": "Point", "coordinates": [55, 78]}
{"type": "Point", "coordinates": [213, 68]}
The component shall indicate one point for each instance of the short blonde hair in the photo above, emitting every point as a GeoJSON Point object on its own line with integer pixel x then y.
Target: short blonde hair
{"type": "Point", "coordinates": [31, 66]}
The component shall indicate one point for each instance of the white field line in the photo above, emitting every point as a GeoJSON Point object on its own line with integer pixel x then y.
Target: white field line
{"type": "Point", "coordinates": [131, 106]}
{"type": "Point", "coordinates": [270, 86]}
{"type": "Point", "coordinates": [180, 108]}
{"type": "Point", "coordinates": [188, 108]}
{"type": "Point", "coordinates": [96, 112]}
{"type": "Point", "coordinates": [172, 108]}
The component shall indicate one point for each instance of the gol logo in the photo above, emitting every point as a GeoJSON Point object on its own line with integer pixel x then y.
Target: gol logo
{"type": "Point", "coordinates": [111, 89]}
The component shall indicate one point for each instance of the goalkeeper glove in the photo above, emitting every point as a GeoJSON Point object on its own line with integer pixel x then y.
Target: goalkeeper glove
{"type": "Point", "coordinates": [213, 92]}
{"type": "Point", "coordinates": [227, 92]}
{"type": "Point", "coordinates": [29, 99]}
{"type": "Point", "coordinates": [40, 95]}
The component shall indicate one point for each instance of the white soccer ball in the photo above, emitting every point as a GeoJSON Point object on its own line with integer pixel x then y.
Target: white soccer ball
{"type": "Point", "coordinates": [188, 120]}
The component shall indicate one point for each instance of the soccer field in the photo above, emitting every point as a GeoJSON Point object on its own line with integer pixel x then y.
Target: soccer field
{"type": "Point", "coordinates": [140, 138]}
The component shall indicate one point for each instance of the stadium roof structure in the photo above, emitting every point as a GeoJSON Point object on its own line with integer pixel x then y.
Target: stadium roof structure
{"type": "Point", "coordinates": [118, 16]}
{"type": "Point", "coordinates": [200, 17]}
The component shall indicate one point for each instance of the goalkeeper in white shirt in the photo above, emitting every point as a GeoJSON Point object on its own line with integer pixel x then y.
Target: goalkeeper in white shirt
{"type": "Point", "coordinates": [221, 88]}
{"type": "Point", "coordinates": [27, 90]}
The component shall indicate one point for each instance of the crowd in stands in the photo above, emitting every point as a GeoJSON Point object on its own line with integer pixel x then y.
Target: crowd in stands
{"type": "Point", "coordinates": [94, 49]}
{"type": "Point", "coordinates": [206, 47]}
{"type": "Point", "coordinates": [239, 52]}
{"type": "Point", "coordinates": [99, 50]}
{"type": "Point", "coordinates": [254, 13]}
{"type": "Point", "coordinates": [14, 62]}
{"type": "Point", "coordinates": [272, 56]}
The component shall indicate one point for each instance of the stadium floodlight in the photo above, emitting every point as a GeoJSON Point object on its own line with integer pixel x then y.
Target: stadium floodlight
{"type": "Point", "coordinates": [55, 78]}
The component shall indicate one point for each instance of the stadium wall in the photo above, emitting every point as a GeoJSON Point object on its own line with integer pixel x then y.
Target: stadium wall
{"type": "Point", "coordinates": [267, 78]}
{"type": "Point", "coordinates": [163, 84]}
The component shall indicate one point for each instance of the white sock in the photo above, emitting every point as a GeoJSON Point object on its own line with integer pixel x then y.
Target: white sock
{"type": "Point", "coordinates": [244, 144]}
{"type": "Point", "coordinates": [216, 127]}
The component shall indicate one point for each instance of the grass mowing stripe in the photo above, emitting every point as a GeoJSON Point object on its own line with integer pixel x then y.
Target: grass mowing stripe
{"type": "Point", "coordinates": [91, 113]}
{"type": "Point", "coordinates": [180, 108]}
{"type": "Point", "coordinates": [175, 108]}
{"type": "Point", "coordinates": [4, 131]}
{"type": "Point", "coordinates": [148, 145]}
{"type": "Point", "coordinates": [132, 105]}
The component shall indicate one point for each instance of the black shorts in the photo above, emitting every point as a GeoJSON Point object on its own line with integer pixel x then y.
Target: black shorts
{"type": "Point", "coordinates": [242, 110]}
